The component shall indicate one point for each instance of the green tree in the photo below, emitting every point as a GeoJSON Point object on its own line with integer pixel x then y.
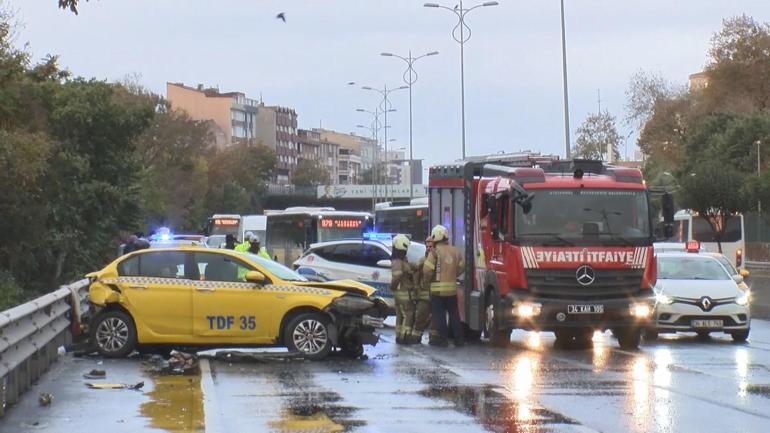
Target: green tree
{"type": "Point", "coordinates": [238, 177]}
{"type": "Point", "coordinates": [596, 135]}
{"type": "Point", "coordinates": [716, 192]}
{"type": "Point", "coordinates": [309, 173]}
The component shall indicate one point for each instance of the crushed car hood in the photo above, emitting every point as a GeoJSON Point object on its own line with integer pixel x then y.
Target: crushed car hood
{"type": "Point", "coordinates": [341, 285]}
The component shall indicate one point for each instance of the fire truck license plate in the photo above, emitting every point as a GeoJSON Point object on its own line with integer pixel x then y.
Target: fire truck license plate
{"type": "Point", "coordinates": [585, 309]}
{"type": "Point", "coordinates": [708, 323]}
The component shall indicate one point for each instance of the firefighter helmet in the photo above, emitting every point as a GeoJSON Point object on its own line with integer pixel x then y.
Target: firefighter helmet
{"type": "Point", "coordinates": [401, 242]}
{"type": "Point", "coordinates": [439, 233]}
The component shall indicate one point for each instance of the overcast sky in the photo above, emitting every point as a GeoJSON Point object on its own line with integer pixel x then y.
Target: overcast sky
{"type": "Point", "coordinates": [512, 62]}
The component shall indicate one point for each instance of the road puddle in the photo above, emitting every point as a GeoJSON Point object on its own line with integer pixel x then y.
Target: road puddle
{"type": "Point", "coordinates": [319, 412]}
{"type": "Point", "coordinates": [495, 411]}
{"type": "Point", "coordinates": [176, 404]}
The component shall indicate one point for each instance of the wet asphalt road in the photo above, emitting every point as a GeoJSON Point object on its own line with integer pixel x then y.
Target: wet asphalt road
{"type": "Point", "coordinates": [677, 384]}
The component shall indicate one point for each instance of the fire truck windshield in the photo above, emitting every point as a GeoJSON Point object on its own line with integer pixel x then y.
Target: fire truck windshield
{"type": "Point", "coordinates": [585, 216]}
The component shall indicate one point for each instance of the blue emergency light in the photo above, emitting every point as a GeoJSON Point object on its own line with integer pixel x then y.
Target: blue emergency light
{"type": "Point", "coordinates": [372, 236]}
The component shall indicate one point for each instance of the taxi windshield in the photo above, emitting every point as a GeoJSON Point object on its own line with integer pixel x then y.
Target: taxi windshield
{"type": "Point", "coordinates": [690, 268]}
{"type": "Point", "coordinates": [276, 269]}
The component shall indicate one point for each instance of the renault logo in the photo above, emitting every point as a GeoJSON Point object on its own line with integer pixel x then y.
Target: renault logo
{"type": "Point", "coordinates": [585, 275]}
{"type": "Point", "coordinates": [705, 303]}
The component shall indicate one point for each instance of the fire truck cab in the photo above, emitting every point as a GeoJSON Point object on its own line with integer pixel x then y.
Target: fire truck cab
{"type": "Point", "coordinates": [549, 245]}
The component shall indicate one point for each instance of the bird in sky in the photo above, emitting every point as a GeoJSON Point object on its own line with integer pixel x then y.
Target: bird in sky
{"type": "Point", "coordinates": [281, 16]}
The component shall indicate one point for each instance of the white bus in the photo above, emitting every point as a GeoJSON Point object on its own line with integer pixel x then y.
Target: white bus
{"type": "Point", "coordinates": [290, 232]}
{"type": "Point", "coordinates": [689, 226]}
{"type": "Point", "coordinates": [410, 219]}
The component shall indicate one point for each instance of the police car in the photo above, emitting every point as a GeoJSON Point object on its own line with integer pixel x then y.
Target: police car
{"type": "Point", "coordinates": [364, 259]}
{"type": "Point", "coordinates": [695, 292]}
{"type": "Point", "coordinates": [194, 296]}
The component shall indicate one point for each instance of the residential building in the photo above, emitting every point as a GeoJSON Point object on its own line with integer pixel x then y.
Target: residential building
{"type": "Point", "coordinates": [350, 167]}
{"type": "Point", "coordinates": [698, 81]}
{"type": "Point", "coordinates": [277, 129]}
{"type": "Point", "coordinates": [231, 116]}
{"type": "Point", "coordinates": [365, 148]}
{"type": "Point", "coordinates": [311, 147]}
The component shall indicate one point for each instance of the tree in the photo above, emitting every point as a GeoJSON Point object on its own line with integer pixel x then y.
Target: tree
{"type": "Point", "coordinates": [645, 91]}
{"type": "Point", "coordinates": [370, 176]}
{"type": "Point", "coordinates": [716, 192]}
{"type": "Point", "coordinates": [309, 173]}
{"type": "Point", "coordinates": [597, 134]}
{"type": "Point", "coordinates": [238, 177]}
{"type": "Point", "coordinates": [739, 67]}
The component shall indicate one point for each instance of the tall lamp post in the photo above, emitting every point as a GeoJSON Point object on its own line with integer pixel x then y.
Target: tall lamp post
{"type": "Point", "coordinates": [385, 108]}
{"type": "Point", "coordinates": [410, 77]}
{"type": "Point", "coordinates": [374, 130]}
{"type": "Point", "coordinates": [461, 33]}
{"type": "Point", "coordinates": [568, 150]}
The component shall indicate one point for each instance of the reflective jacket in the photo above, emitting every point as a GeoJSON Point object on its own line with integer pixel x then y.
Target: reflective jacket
{"type": "Point", "coordinates": [244, 246]}
{"type": "Point", "coordinates": [401, 279]}
{"type": "Point", "coordinates": [442, 267]}
{"type": "Point", "coordinates": [421, 283]}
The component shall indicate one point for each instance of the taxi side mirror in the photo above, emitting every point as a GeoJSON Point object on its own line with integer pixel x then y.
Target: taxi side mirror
{"type": "Point", "coordinates": [384, 264]}
{"type": "Point", "coordinates": [738, 279]}
{"type": "Point", "coordinates": [255, 277]}
{"type": "Point", "coordinates": [744, 272]}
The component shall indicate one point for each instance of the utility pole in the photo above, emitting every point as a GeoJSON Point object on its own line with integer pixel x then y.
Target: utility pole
{"type": "Point", "coordinates": [568, 151]}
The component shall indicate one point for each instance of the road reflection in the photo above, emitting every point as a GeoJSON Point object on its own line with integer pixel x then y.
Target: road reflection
{"type": "Point", "coordinates": [176, 404]}
{"type": "Point", "coordinates": [742, 371]}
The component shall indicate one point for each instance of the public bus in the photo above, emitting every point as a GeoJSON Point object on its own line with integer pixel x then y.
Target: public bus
{"type": "Point", "coordinates": [290, 232]}
{"type": "Point", "coordinates": [410, 219]}
{"type": "Point", "coordinates": [223, 224]}
{"type": "Point", "coordinates": [689, 226]}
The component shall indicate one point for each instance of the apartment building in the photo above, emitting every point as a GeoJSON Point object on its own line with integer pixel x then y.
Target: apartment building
{"type": "Point", "coordinates": [325, 153]}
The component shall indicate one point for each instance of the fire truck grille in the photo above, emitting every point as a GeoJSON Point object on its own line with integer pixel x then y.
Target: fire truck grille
{"type": "Point", "coordinates": [562, 283]}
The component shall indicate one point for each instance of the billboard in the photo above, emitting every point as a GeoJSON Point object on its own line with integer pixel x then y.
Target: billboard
{"type": "Point", "coordinates": [368, 191]}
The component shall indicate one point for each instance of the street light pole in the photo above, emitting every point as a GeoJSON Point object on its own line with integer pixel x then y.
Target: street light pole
{"type": "Point", "coordinates": [568, 150]}
{"type": "Point", "coordinates": [460, 11]}
{"type": "Point", "coordinates": [410, 77]}
{"type": "Point", "coordinates": [759, 165]}
{"type": "Point", "coordinates": [385, 107]}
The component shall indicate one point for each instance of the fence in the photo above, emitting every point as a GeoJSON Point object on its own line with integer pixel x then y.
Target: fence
{"type": "Point", "coordinates": [31, 334]}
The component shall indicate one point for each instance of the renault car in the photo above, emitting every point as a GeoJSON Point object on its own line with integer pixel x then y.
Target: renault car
{"type": "Point", "coordinates": [193, 296]}
{"type": "Point", "coordinates": [695, 293]}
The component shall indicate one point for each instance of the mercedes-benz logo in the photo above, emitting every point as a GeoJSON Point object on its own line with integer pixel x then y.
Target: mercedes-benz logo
{"type": "Point", "coordinates": [585, 275]}
{"type": "Point", "coordinates": [705, 303]}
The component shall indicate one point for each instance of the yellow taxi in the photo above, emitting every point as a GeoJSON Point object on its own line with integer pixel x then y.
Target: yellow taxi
{"type": "Point", "coordinates": [194, 296]}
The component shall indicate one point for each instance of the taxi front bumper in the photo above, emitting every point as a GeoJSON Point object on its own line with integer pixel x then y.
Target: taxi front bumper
{"type": "Point", "coordinates": [683, 317]}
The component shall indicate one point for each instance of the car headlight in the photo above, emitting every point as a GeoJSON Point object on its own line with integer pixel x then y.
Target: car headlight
{"type": "Point", "coordinates": [660, 298]}
{"type": "Point", "coordinates": [744, 298]}
{"type": "Point", "coordinates": [353, 303]}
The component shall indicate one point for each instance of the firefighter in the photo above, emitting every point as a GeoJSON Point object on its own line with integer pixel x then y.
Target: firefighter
{"type": "Point", "coordinates": [443, 266]}
{"type": "Point", "coordinates": [422, 300]}
{"type": "Point", "coordinates": [402, 286]}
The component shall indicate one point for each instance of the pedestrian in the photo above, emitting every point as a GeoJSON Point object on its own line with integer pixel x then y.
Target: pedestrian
{"type": "Point", "coordinates": [443, 266]}
{"type": "Point", "coordinates": [402, 286]}
{"type": "Point", "coordinates": [252, 245]}
{"type": "Point", "coordinates": [422, 316]}
{"type": "Point", "coordinates": [230, 242]}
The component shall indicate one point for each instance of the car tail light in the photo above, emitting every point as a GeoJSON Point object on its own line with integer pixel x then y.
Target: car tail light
{"type": "Point", "coordinates": [738, 257]}
{"type": "Point", "coordinates": [650, 276]}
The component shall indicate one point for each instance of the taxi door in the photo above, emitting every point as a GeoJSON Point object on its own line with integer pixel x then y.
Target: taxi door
{"type": "Point", "coordinates": [225, 308]}
{"type": "Point", "coordinates": [158, 294]}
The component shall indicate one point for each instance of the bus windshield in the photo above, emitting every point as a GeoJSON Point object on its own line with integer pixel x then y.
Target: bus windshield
{"type": "Point", "coordinates": [585, 215]}
{"type": "Point", "coordinates": [225, 225]}
{"type": "Point", "coordinates": [412, 220]}
{"type": "Point", "coordinates": [339, 227]}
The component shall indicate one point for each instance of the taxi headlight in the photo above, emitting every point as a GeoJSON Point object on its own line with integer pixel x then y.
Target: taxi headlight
{"type": "Point", "coordinates": [744, 298]}
{"type": "Point", "coordinates": [353, 303]}
{"type": "Point", "coordinates": [660, 298]}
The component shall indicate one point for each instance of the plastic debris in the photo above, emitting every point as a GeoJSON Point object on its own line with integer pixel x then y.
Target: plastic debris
{"type": "Point", "coordinates": [136, 386]}
{"type": "Point", "coordinates": [45, 399]}
{"type": "Point", "coordinates": [95, 374]}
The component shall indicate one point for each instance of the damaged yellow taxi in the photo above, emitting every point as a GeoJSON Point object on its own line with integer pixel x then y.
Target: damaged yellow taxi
{"type": "Point", "coordinates": [199, 297]}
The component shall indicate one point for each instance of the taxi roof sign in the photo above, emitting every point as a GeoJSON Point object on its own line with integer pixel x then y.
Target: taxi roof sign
{"type": "Point", "coordinates": [692, 246]}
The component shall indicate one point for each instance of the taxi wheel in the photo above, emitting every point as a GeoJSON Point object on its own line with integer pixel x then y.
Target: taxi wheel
{"type": "Point", "coordinates": [114, 334]}
{"type": "Point", "coordinates": [740, 336]}
{"type": "Point", "coordinates": [309, 334]}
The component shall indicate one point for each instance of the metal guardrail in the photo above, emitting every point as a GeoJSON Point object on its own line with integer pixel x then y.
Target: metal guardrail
{"type": "Point", "coordinates": [31, 334]}
{"type": "Point", "coordinates": [760, 266]}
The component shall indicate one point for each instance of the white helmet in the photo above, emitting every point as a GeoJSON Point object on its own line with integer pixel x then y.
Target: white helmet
{"type": "Point", "coordinates": [439, 233]}
{"type": "Point", "coordinates": [401, 242]}
{"type": "Point", "coordinates": [252, 237]}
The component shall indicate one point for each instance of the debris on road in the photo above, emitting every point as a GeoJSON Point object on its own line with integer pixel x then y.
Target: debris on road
{"type": "Point", "coordinates": [136, 386]}
{"type": "Point", "coordinates": [182, 361]}
{"type": "Point", "coordinates": [45, 399]}
{"type": "Point", "coordinates": [234, 356]}
{"type": "Point", "coordinates": [95, 374]}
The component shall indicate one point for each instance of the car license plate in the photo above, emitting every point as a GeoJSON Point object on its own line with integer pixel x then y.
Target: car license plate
{"type": "Point", "coordinates": [585, 309]}
{"type": "Point", "coordinates": [708, 323]}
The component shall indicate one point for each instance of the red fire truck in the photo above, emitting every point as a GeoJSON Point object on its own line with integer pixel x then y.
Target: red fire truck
{"type": "Point", "coordinates": [550, 245]}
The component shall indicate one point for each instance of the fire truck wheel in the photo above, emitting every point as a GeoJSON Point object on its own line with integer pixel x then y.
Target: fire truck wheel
{"type": "Point", "coordinates": [497, 337]}
{"type": "Point", "coordinates": [629, 338]}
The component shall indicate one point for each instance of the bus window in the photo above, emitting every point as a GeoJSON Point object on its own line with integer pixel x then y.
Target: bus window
{"type": "Point", "coordinates": [333, 228]}
{"type": "Point", "coordinates": [701, 230]}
